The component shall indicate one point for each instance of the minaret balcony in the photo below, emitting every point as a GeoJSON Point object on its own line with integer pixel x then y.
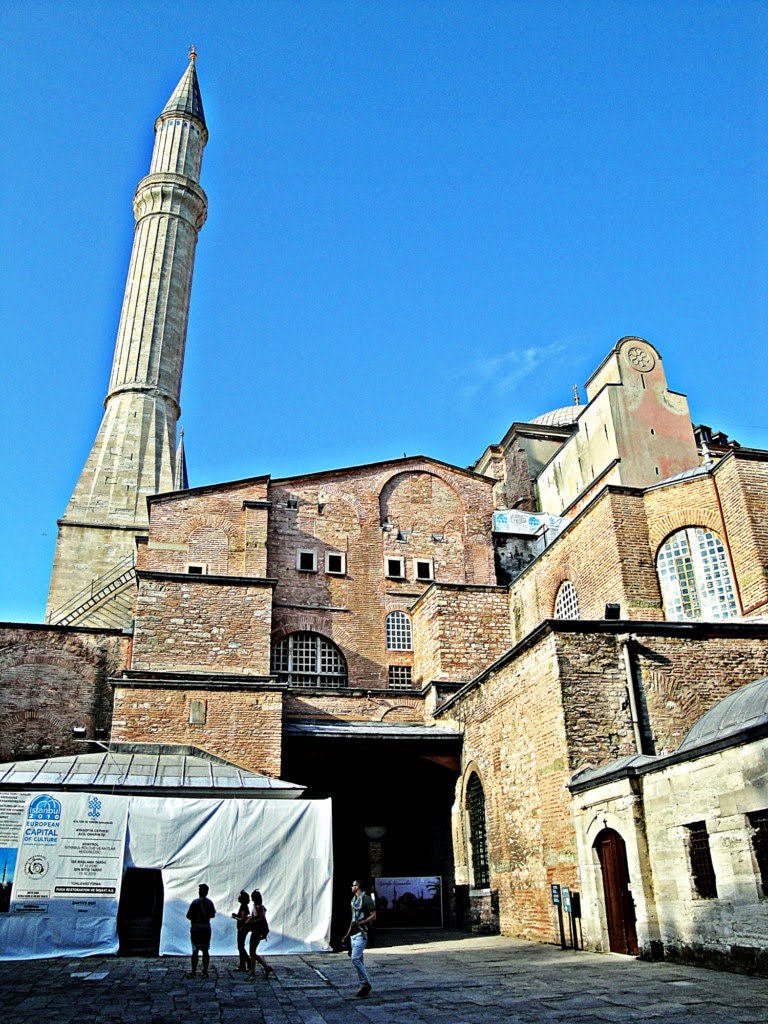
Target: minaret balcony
{"type": "Point", "coordinates": [172, 195]}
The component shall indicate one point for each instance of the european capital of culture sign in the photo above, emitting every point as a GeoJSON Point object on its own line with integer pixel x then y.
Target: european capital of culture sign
{"type": "Point", "coordinates": [71, 846]}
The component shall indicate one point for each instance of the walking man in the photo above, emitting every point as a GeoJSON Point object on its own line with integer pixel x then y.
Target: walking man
{"type": "Point", "coordinates": [199, 916]}
{"type": "Point", "coordinates": [363, 914]}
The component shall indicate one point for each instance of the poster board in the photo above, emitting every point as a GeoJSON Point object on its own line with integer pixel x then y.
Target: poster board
{"type": "Point", "coordinates": [409, 902]}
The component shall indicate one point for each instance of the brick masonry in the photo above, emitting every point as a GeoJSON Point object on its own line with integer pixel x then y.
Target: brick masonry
{"type": "Point", "coordinates": [52, 679]}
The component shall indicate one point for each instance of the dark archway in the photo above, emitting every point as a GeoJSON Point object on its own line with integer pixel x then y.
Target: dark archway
{"type": "Point", "coordinates": [619, 905]}
{"type": "Point", "coordinates": [392, 797]}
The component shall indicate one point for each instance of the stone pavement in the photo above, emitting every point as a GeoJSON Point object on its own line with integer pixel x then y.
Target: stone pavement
{"type": "Point", "coordinates": [446, 979]}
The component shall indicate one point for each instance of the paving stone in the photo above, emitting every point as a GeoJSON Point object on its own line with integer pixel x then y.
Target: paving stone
{"type": "Point", "coordinates": [451, 979]}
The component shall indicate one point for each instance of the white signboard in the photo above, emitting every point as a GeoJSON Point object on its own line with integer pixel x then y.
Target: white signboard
{"type": "Point", "coordinates": [71, 847]}
{"type": "Point", "coordinates": [528, 524]}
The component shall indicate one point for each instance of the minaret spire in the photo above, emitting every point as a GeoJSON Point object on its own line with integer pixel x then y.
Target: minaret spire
{"type": "Point", "coordinates": [134, 454]}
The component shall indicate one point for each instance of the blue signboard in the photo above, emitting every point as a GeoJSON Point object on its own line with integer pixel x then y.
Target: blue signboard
{"type": "Point", "coordinates": [556, 895]}
{"type": "Point", "coordinates": [566, 899]}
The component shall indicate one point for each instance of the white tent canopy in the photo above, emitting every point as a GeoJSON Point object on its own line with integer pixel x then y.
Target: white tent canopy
{"type": "Point", "coordinates": [65, 850]}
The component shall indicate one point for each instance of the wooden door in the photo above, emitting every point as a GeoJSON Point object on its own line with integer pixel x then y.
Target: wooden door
{"type": "Point", "coordinates": [619, 905]}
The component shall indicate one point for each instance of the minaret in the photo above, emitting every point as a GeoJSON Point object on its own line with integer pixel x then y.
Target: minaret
{"type": "Point", "coordinates": [134, 454]}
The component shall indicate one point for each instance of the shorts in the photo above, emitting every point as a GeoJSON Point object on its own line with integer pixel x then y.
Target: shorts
{"type": "Point", "coordinates": [200, 937]}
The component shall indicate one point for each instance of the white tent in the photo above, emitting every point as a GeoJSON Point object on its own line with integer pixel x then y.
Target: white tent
{"type": "Point", "coordinates": [70, 827]}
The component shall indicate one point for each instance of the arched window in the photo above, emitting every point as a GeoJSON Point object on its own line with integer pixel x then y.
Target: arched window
{"type": "Point", "coordinates": [399, 636]}
{"type": "Point", "coordinates": [695, 576]}
{"type": "Point", "coordinates": [308, 659]}
{"type": "Point", "coordinates": [567, 602]}
{"type": "Point", "coordinates": [477, 833]}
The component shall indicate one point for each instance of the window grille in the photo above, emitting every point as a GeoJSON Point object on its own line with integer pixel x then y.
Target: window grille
{"type": "Point", "coordinates": [477, 833]}
{"type": "Point", "coordinates": [308, 659]}
{"type": "Point", "coordinates": [399, 636]}
{"type": "Point", "coordinates": [400, 677]}
{"type": "Point", "coordinates": [695, 577]}
{"type": "Point", "coordinates": [702, 869]}
{"type": "Point", "coordinates": [567, 602]}
{"type": "Point", "coordinates": [759, 822]}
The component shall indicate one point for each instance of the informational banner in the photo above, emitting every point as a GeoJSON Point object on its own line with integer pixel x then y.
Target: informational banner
{"type": "Point", "coordinates": [71, 848]}
{"type": "Point", "coordinates": [12, 808]}
{"type": "Point", "coordinates": [409, 902]}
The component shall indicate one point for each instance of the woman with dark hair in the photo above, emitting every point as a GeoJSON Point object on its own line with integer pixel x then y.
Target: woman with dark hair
{"type": "Point", "coordinates": [242, 916]}
{"type": "Point", "coordinates": [259, 930]}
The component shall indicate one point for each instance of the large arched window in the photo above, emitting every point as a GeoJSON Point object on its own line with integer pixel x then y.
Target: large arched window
{"type": "Point", "coordinates": [399, 636]}
{"type": "Point", "coordinates": [477, 833]}
{"type": "Point", "coordinates": [567, 602]}
{"type": "Point", "coordinates": [695, 576]}
{"type": "Point", "coordinates": [308, 659]}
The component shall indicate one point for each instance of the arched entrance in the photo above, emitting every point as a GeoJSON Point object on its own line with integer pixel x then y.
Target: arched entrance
{"type": "Point", "coordinates": [619, 905]}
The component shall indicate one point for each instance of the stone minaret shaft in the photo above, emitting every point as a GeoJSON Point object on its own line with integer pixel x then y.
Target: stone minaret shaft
{"type": "Point", "coordinates": [134, 453]}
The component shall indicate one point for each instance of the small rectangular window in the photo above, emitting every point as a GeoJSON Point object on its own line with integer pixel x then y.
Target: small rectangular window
{"type": "Point", "coordinates": [197, 712]}
{"type": "Point", "coordinates": [400, 677]}
{"type": "Point", "coordinates": [702, 869]}
{"type": "Point", "coordinates": [335, 563]}
{"type": "Point", "coordinates": [292, 503]}
{"type": "Point", "coordinates": [306, 561]}
{"type": "Point", "coordinates": [422, 568]}
{"type": "Point", "coordinates": [759, 822]}
{"type": "Point", "coordinates": [396, 568]}
{"type": "Point", "coordinates": [197, 569]}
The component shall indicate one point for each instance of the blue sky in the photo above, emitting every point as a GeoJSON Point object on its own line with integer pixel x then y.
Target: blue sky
{"type": "Point", "coordinates": [426, 220]}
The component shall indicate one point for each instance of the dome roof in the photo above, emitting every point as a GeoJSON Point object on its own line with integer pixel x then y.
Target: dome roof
{"type": "Point", "coordinates": [563, 417]}
{"type": "Point", "coordinates": [744, 709]}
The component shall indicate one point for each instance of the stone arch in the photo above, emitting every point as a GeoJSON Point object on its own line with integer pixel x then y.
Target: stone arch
{"type": "Point", "coordinates": [696, 576]}
{"type": "Point", "coordinates": [334, 491]}
{"type": "Point", "coordinates": [404, 710]}
{"type": "Point", "coordinates": [32, 714]}
{"type": "Point", "coordinates": [59, 660]}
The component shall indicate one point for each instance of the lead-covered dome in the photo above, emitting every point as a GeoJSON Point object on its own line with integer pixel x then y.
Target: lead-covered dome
{"type": "Point", "coordinates": [563, 417]}
{"type": "Point", "coordinates": [744, 709]}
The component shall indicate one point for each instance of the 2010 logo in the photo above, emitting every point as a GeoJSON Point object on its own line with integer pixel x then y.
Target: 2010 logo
{"type": "Point", "coordinates": [36, 867]}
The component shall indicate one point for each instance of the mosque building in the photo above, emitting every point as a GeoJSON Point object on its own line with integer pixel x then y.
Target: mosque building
{"type": "Point", "coordinates": [549, 668]}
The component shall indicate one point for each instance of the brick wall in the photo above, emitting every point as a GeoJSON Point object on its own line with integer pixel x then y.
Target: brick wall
{"type": "Point", "coordinates": [458, 631]}
{"type": "Point", "coordinates": [241, 725]}
{"type": "Point", "coordinates": [224, 527]}
{"type": "Point", "coordinates": [442, 516]}
{"type": "Point", "coordinates": [560, 702]}
{"type": "Point", "coordinates": [742, 484]}
{"type": "Point", "coordinates": [193, 624]}
{"type": "Point", "coordinates": [605, 554]}
{"type": "Point", "coordinates": [51, 679]}
{"type": "Point", "coordinates": [514, 737]}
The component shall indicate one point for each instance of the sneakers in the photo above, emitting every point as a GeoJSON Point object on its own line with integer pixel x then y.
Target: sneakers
{"type": "Point", "coordinates": [365, 991]}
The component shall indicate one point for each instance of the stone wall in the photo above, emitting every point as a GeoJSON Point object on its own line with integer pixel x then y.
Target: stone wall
{"type": "Point", "coordinates": [458, 631]}
{"type": "Point", "coordinates": [651, 813]}
{"type": "Point", "coordinates": [52, 679]}
{"type": "Point", "coordinates": [239, 723]}
{"type": "Point", "coordinates": [202, 624]}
